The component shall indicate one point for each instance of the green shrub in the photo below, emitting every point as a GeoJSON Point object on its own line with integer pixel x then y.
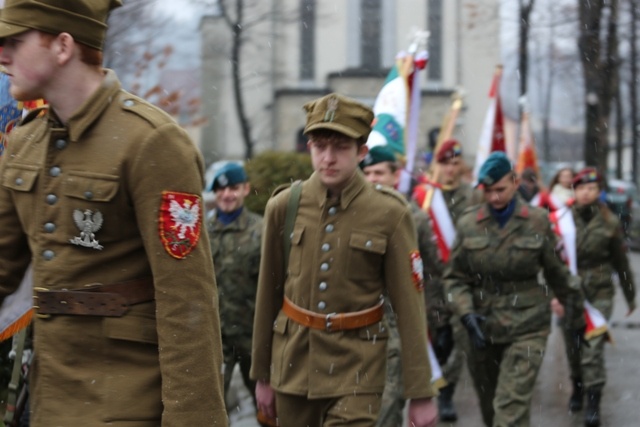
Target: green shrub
{"type": "Point", "coordinates": [270, 169]}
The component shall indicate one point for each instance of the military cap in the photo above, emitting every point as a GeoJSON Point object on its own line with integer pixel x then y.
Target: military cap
{"type": "Point", "coordinates": [85, 20]}
{"type": "Point", "coordinates": [229, 174]}
{"type": "Point", "coordinates": [449, 149]}
{"type": "Point", "coordinates": [378, 154]}
{"type": "Point", "coordinates": [494, 168]}
{"type": "Point", "coordinates": [339, 113]}
{"type": "Point", "coordinates": [586, 176]}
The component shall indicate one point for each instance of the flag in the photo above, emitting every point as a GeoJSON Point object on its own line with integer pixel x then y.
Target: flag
{"type": "Point", "coordinates": [565, 228]}
{"type": "Point", "coordinates": [492, 135]}
{"type": "Point", "coordinates": [9, 110]}
{"type": "Point", "coordinates": [527, 157]}
{"type": "Point", "coordinates": [16, 309]}
{"type": "Point", "coordinates": [437, 378]}
{"type": "Point", "coordinates": [430, 198]}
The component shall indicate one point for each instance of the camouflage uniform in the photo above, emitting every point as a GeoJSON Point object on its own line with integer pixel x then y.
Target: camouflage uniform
{"type": "Point", "coordinates": [236, 256]}
{"type": "Point", "coordinates": [601, 251]}
{"type": "Point", "coordinates": [493, 272]}
{"type": "Point", "coordinates": [392, 400]}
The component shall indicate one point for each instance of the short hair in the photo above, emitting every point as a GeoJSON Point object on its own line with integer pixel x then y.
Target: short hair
{"type": "Point", "coordinates": [88, 55]}
{"type": "Point", "coordinates": [332, 134]}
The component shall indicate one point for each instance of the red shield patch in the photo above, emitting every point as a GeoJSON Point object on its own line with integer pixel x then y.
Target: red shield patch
{"type": "Point", "coordinates": [416, 270]}
{"type": "Point", "coordinates": [180, 222]}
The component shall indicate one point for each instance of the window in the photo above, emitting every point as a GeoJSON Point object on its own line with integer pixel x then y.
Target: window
{"type": "Point", "coordinates": [434, 25]}
{"type": "Point", "coordinates": [370, 33]}
{"type": "Point", "coordinates": [307, 38]}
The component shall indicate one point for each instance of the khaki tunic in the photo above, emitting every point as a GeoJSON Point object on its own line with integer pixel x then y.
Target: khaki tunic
{"type": "Point", "coordinates": [343, 255]}
{"type": "Point", "coordinates": [159, 364]}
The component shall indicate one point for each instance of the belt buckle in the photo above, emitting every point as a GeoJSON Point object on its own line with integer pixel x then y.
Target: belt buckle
{"type": "Point", "coordinates": [35, 307]}
{"type": "Point", "coordinates": [327, 321]}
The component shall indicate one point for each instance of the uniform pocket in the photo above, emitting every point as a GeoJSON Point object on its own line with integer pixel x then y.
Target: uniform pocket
{"type": "Point", "coordinates": [137, 327]}
{"type": "Point", "coordinates": [91, 187]}
{"type": "Point", "coordinates": [365, 255]}
{"type": "Point", "coordinates": [20, 178]}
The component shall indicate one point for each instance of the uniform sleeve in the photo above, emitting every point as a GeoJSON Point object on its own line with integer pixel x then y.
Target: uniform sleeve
{"type": "Point", "coordinates": [620, 261]}
{"type": "Point", "coordinates": [190, 350]}
{"type": "Point", "coordinates": [270, 289]}
{"type": "Point", "coordinates": [458, 282]}
{"type": "Point", "coordinates": [404, 292]}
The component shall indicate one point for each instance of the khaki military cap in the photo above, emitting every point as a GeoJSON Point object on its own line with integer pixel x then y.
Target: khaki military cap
{"type": "Point", "coordinates": [85, 20]}
{"type": "Point", "coordinates": [339, 113]}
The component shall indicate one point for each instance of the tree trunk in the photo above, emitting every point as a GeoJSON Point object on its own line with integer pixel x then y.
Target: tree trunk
{"type": "Point", "coordinates": [619, 132]}
{"type": "Point", "coordinates": [523, 58]}
{"type": "Point", "coordinates": [633, 91]}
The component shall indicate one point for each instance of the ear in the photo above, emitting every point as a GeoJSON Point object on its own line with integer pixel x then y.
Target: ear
{"type": "Point", "coordinates": [362, 151]}
{"type": "Point", "coordinates": [246, 189]}
{"type": "Point", "coordinates": [64, 46]}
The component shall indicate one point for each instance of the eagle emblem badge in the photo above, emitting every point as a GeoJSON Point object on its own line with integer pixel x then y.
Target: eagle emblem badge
{"type": "Point", "coordinates": [180, 223]}
{"type": "Point", "coordinates": [88, 222]}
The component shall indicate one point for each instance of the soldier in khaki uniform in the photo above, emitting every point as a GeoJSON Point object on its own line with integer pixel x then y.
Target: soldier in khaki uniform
{"type": "Point", "coordinates": [380, 167]}
{"type": "Point", "coordinates": [235, 234]}
{"type": "Point", "coordinates": [450, 340]}
{"type": "Point", "coordinates": [492, 281]}
{"type": "Point", "coordinates": [319, 344]}
{"type": "Point", "coordinates": [101, 192]}
{"type": "Point", "coordinates": [600, 252]}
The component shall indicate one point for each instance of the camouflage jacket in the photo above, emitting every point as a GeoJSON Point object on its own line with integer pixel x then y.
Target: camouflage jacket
{"type": "Point", "coordinates": [236, 257]}
{"type": "Point", "coordinates": [601, 251]}
{"type": "Point", "coordinates": [493, 271]}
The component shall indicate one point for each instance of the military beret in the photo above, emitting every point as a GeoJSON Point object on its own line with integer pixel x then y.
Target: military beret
{"type": "Point", "coordinates": [586, 176]}
{"type": "Point", "coordinates": [377, 154]}
{"type": "Point", "coordinates": [229, 174]}
{"type": "Point", "coordinates": [494, 168]}
{"type": "Point", "coordinates": [449, 149]}
{"type": "Point", "coordinates": [85, 20]}
{"type": "Point", "coordinates": [339, 113]}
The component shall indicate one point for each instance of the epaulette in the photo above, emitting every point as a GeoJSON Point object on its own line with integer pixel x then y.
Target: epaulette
{"type": "Point", "coordinates": [33, 114]}
{"type": "Point", "coordinates": [147, 111]}
{"type": "Point", "coordinates": [391, 192]}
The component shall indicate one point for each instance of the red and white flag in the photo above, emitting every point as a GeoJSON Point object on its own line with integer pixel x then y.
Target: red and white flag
{"type": "Point", "coordinates": [565, 227]}
{"type": "Point", "coordinates": [444, 231]}
{"type": "Point", "coordinates": [16, 310]}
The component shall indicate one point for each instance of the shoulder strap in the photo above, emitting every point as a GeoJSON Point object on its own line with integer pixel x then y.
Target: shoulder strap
{"type": "Point", "coordinates": [290, 219]}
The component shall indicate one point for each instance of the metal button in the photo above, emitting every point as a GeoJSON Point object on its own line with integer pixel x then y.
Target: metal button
{"type": "Point", "coordinates": [333, 210]}
{"type": "Point", "coordinates": [51, 199]}
{"type": "Point", "coordinates": [88, 195]}
{"type": "Point", "coordinates": [322, 286]}
{"type": "Point", "coordinates": [61, 144]}
{"type": "Point", "coordinates": [325, 247]}
{"type": "Point", "coordinates": [324, 266]}
{"type": "Point", "coordinates": [329, 228]}
{"type": "Point", "coordinates": [49, 227]}
{"type": "Point", "coordinates": [368, 243]}
{"type": "Point", "coordinates": [19, 181]}
{"type": "Point", "coordinates": [129, 103]}
{"type": "Point", "coordinates": [378, 186]}
{"type": "Point", "coordinates": [48, 255]}
{"type": "Point", "coordinates": [322, 305]}
{"type": "Point", "coordinates": [55, 171]}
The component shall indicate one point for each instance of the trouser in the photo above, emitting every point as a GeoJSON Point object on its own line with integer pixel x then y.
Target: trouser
{"type": "Point", "coordinates": [392, 402]}
{"type": "Point", "coordinates": [359, 410]}
{"type": "Point", "coordinates": [452, 369]}
{"type": "Point", "coordinates": [587, 363]}
{"type": "Point", "coordinates": [504, 376]}
{"type": "Point", "coordinates": [236, 353]}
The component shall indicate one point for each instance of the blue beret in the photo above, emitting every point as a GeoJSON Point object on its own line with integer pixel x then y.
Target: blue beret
{"type": "Point", "coordinates": [229, 174]}
{"type": "Point", "coordinates": [378, 154]}
{"type": "Point", "coordinates": [494, 168]}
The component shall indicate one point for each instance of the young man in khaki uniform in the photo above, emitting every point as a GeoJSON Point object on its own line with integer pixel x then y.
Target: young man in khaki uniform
{"type": "Point", "coordinates": [319, 348]}
{"type": "Point", "coordinates": [101, 193]}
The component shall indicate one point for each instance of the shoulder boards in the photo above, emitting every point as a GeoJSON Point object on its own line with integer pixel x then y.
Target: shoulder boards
{"type": "Point", "coordinates": [391, 192]}
{"type": "Point", "coordinates": [152, 114]}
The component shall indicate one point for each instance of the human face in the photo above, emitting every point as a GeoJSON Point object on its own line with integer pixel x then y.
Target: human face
{"type": "Point", "coordinates": [587, 194]}
{"type": "Point", "coordinates": [500, 194]}
{"type": "Point", "coordinates": [231, 198]}
{"type": "Point", "coordinates": [565, 178]}
{"type": "Point", "coordinates": [381, 173]}
{"type": "Point", "coordinates": [29, 63]}
{"type": "Point", "coordinates": [450, 171]}
{"type": "Point", "coordinates": [335, 159]}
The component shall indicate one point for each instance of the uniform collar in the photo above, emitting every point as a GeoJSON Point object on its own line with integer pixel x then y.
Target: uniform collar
{"type": "Point", "coordinates": [356, 183]}
{"type": "Point", "coordinates": [240, 223]}
{"type": "Point", "coordinates": [93, 107]}
{"type": "Point", "coordinates": [521, 210]}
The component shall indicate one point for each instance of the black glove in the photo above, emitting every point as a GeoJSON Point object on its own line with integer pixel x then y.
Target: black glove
{"type": "Point", "coordinates": [472, 322]}
{"type": "Point", "coordinates": [578, 338]}
{"type": "Point", "coordinates": [443, 343]}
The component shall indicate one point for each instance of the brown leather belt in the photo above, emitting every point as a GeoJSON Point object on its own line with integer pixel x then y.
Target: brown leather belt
{"type": "Point", "coordinates": [334, 321]}
{"type": "Point", "coordinates": [95, 299]}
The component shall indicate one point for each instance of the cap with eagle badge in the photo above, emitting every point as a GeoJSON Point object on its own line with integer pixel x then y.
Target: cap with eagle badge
{"type": "Point", "coordinates": [377, 154]}
{"type": "Point", "coordinates": [494, 168]}
{"type": "Point", "coordinates": [450, 148]}
{"type": "Point", "coordinates": [586, 176]}
{"type": "Point", "coordinates": [229, 174]}
{"type": "Point", "coordinates": [339, 113]}
{"type": "Point", "coordinates": [85, 20]}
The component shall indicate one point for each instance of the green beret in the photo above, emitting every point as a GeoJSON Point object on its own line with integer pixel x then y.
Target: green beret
{"type": "Point", "coordinates": [378, 154]}
{"type": "Point", "coordinates": [85, 20]}
{"type": "Point", "coordinates": [339, 113]}
{"type": "Point", "coordinates": [229, 174]}
{"type": "Point", "coordinates": [494, 168]}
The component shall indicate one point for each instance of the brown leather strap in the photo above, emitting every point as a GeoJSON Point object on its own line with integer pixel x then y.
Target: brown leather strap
{"type": "Point", "coordinates": [333, 321]}
{"type": "Point", "coordinates": [95, 299]}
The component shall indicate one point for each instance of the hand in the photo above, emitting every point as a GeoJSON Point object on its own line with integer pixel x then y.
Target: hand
{"type": "Point", "coordinates": [423, 413]}
{"type": "Point", "coordinates": [266, 399]}
{"type": "Point", "coordinates": [472, 321]}
{"type": "Point", "coordinates": [443, 343]}
{"type": "Point", "coordinates": [557, 308]}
